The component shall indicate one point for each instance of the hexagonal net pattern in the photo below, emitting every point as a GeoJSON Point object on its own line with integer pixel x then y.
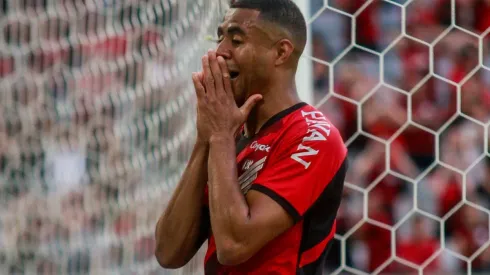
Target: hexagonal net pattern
{"type": "Point", "coordinates": [96, 122]}
{"type": "Point", "coordinates": [407, 84]}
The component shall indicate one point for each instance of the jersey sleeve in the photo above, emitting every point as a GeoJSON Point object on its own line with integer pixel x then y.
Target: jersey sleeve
{"type": "Point", "coordinates": [299, 170]}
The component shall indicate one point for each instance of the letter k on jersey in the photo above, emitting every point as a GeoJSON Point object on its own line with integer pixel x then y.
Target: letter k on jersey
{"type": "Point", "coordinates": [259, 147]}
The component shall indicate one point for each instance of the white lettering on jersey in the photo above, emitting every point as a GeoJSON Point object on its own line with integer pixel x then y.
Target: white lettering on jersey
{"type": "Point", "coordinates": [315, 135]}
{"type": "Point", "coordinates": [260, 147]}
{"type": "Point", "coordinates": [319, 130]}
{"type": "Point", "coordinates": [309, 152]}
{"type": "Point", "coordinates": [313, 115]}
{"type": "Point", "coordinates": [322, 125]}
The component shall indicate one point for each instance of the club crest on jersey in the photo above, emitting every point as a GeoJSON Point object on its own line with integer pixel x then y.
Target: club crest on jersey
{"type": "Point", "coordinates": [259, 147]}
{"type": "Point", "coordinates": [246, 179]}
{"type": "Point", "coordinates": [247, 164]}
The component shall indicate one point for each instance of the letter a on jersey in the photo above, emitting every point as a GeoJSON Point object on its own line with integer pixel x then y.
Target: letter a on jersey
{"type": "Point", "coordinates": [315, 135]}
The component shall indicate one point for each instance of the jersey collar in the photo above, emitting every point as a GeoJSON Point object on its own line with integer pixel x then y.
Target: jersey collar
{"type": "Point", "coordinates": [277, 117]}
{"type": "Point", "coordinates": [242, 141]}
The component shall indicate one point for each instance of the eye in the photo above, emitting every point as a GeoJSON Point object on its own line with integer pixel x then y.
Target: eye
{"type": "Point", "coordinates": [236, 41]}
{"type": "Point", "coordinates": [220, 38]}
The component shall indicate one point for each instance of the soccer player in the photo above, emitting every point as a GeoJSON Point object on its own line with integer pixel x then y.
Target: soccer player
{"type": "Point", "coordinates": [265, 178]}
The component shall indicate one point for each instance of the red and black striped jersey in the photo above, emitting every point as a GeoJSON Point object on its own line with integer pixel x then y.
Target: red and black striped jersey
{"type": "Point", "coordinates": [298, 159]}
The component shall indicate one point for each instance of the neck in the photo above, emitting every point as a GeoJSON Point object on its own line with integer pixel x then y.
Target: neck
{"type": "Point", "coordinates": [276, 98]}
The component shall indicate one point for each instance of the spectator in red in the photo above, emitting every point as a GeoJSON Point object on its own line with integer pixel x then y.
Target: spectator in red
{"type": "Point", "coordinates": [482, 20]}
{"type": "Point", "coordinates": [466, 60]}
{"type": "Point", "coordinates": [475, 98]}
{"type": "Point", "coordinates": [420, 246]}
{"type": "Point", "coordinates": [376, 239]}
{"type": "Point", "coordinates": [367, 34]}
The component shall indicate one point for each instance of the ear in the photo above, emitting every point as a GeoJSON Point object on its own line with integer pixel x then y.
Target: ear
{"type": "Point", "coordinates": [284, 49]}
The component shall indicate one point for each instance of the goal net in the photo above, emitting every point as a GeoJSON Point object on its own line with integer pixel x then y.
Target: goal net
{"type": "Point", "coordinates": [96, 123]}
{"type": "Point", "coordinates": [97, 120]}
{"type": "Point", "coordinates": [406, 82]}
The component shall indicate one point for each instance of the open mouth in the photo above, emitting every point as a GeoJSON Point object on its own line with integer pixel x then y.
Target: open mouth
{"type": "Point", "coordinates": [234, 75]}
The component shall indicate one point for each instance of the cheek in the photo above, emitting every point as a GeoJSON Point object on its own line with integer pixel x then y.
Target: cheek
{"type": "Point", "coordinates": [262, 68]}
{"type": "Point", "coordinates": [263, 62]}
{"type": "Point", "coordinates": [253, 63]}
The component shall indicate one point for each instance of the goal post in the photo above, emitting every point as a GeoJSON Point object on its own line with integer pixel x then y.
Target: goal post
{"type": "Point", "coordinates": [304, 80]}
{"type": "Point", "coordinates": [96, 125]}
{"type": "Point", "coordinates": [97, 121]}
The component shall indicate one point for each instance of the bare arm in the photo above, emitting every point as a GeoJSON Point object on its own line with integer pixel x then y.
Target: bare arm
{"type": "Point", "coordinates": [182, 228]}
{"type": "Point", "coordinates": [234, 216]}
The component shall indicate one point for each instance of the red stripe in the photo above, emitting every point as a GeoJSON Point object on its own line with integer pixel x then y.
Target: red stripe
{"type": "Point", "coordinates": [314, 253]}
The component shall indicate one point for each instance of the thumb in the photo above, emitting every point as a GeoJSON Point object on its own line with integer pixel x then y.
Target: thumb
{"type": "Point", "coordinates": [250, 104]}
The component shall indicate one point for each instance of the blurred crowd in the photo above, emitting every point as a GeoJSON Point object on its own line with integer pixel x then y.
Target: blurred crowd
{"type": "Point", "coordinates": [428, 143]}
{"type": "Point", "coordinates": [87, 133]}
{"type": "Point", "coordinates": [93, 130]}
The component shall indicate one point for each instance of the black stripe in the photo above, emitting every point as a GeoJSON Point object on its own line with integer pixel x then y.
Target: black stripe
{"type": "Point", "coordinates": [321, 215]}
{"type": "Point", "coordinates": [275, 118]}
{"type": "Point", "coordinates": [242, 143]}
{"type": "Point", "coordinates": [211, 266]}
{"type": "Point", "coordinates": [318, 221]}
{"type": "Point", "coordinates": [279, 199]}
{"type": "Point", "coordinates": [316, 267]}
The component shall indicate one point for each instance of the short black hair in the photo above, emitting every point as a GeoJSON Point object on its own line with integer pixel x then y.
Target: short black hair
{"type": "Point", "coordinates": [284, 13]}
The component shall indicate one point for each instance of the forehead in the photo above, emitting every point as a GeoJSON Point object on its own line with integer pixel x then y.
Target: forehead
{"type": "Point", "coordinates": [245, 18]}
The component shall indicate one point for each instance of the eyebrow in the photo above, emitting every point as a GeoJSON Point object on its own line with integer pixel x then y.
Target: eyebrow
{"type": "Point", "coordinates": [232, 30]}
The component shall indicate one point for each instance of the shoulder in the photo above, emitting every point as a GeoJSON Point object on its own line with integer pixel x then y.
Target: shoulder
{"type": "Point", "coordinates": [308, 137]}
{"type": "Point", "coordinates": [309, 126]}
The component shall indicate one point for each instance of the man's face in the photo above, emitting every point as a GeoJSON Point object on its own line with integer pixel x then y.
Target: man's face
{"type": "Point", "coordinates": [246, 45]}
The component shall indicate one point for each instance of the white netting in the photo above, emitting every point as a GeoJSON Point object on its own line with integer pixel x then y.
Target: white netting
{"type": "Point", "coordinates": [96, 119]}
{"type": "Point", "coordinates": [407, 83]}
{"type": "Point", "coordinates": [96, 123]}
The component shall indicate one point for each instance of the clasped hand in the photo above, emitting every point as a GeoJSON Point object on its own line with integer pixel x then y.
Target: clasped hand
{"type": "Point", "coordinates": [217, 112]}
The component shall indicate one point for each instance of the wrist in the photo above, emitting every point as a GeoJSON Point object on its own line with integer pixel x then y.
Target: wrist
{"type": "Point", "coordinates": [201, 142]}
{"type": "Point", "coordinates": [221, 138]}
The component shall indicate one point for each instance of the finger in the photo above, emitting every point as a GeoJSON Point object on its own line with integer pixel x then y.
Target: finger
{"type": "Point", "coordinates": [200, 90]}
{"type": "Point", "coordinates": [200, 76]}
{"type": "Point", "coordinates": [226, 75]}
{"type": "Point", "coordinates": [208, 77]}
{"type": "Point", "coordinates": [250, 104]}
{"type": "Point", "coordinates": [216, 71]}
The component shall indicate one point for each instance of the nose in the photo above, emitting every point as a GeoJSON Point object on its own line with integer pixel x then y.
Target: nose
{"type": "Point", "coordinates": [223, 51]}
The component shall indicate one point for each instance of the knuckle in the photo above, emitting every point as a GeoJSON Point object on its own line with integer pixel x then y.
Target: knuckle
{"type": "Point", "coordinates": [203, 103]}
{"type": "Point", "coordinates": [198, 88]}
{"type": "Point", "coordinates": [218, 75]}
{"type": "Point", "coordinates": [210, 80]}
